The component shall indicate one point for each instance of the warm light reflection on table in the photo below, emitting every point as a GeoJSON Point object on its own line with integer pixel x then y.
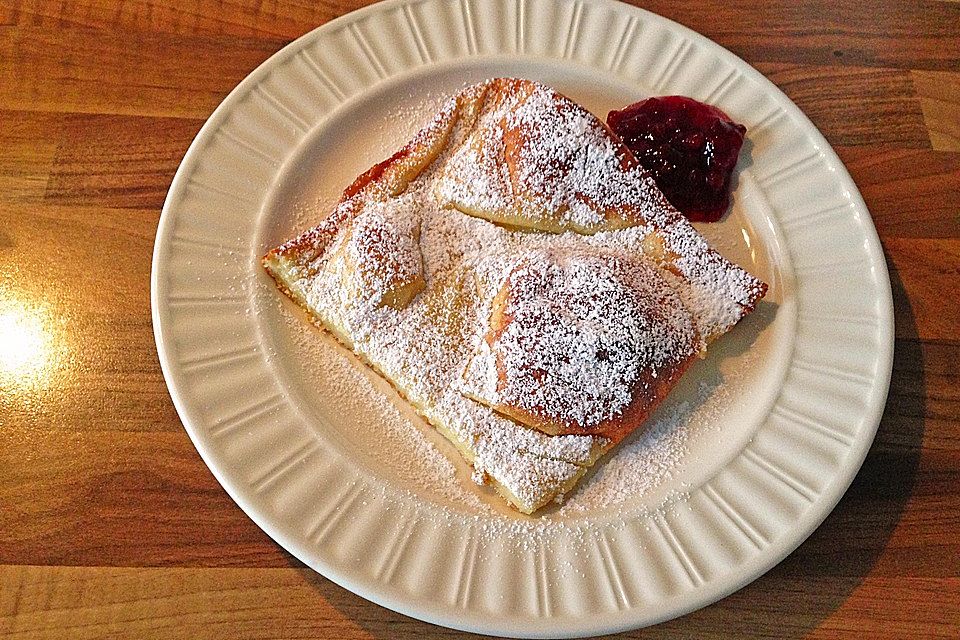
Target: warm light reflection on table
{"type": "Point", "coordinates": [30, 348]}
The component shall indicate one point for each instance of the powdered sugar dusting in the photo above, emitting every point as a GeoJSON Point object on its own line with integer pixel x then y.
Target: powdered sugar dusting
{"type": "Point", "coordinates": [383, 249]}
{"type": "Point", "coordinates": [423, 349]}
{"type": "Point", "coordinates": [424, 346]}
{"type": "Point", "coordinates": [537, 159]}
{"type": "Point", "coordinates": [582, 327]}
{"type": "Point", "coordinates": [566, 163]}
{"type": "Point", "coordinates": [399, 445]}
{"type": "Point", "coordinates": [648, 459]}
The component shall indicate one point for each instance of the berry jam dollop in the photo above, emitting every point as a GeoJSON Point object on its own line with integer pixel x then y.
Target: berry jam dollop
{"type": "Point", "coordinates": [691, 149]}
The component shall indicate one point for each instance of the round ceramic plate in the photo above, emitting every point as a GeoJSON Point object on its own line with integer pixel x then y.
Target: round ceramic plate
{"type": "Point", "coordinates": [329, 462]}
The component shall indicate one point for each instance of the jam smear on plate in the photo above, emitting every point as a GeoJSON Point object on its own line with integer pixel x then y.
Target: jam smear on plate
{"type": "Point", "coordinates": [691, 148]}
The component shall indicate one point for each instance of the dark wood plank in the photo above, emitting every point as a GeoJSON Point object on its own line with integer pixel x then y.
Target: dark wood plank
{"type": "Point", "coordinates": [895, 608]}
{"type": "Point", "coordinates": [923, 407]}
{"type": "Point", "coordinates": [855, 105]}
{"type": "Point", "coordinates": [885, 33]}
{"type": "Point", "coordinates": [816, 607]}
{"type": "Point", "coordinates": [123, 72]}
{"type": "Point", "coordinates": [121, 499]}
{"type": "Point", "coordinates": [245, 18]}
{"type": "Point", "coordinates": [117, 161]}
{"type": "Point", "coordinates": [924, 273]}
{"type": "Point", "coordinates": [888, 33]}
{"type": "Point", "coordinates": [910, 192]}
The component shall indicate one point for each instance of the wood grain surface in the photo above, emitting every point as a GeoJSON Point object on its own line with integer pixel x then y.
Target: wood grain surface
{"type": "Point", "coordinates": [111, 526]}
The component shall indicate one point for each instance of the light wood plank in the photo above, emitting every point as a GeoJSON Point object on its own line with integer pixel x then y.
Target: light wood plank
{"type": "Point", "coordinates": [940, 100]}
{"type": "Point", "coordinates": [28, 144]}
{"type": "Point", "coordinates": [900, 507]}
{"type": "Point", "coordinates": [81, 602]}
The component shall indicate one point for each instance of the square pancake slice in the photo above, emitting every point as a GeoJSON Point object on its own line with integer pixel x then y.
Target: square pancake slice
{"type": "Point", "coordinates": [521, 281]}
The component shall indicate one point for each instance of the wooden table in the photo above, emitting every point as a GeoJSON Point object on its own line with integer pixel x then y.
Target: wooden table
{"type": "Point", "coordinates": [112, 526]}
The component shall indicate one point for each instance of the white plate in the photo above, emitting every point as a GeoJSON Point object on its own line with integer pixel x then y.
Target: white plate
{"type": "Point", "coordinates": [291, 425]}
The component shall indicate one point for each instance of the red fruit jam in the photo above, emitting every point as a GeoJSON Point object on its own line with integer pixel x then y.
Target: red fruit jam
{"type": "Point", "coordinates": [690, 148]}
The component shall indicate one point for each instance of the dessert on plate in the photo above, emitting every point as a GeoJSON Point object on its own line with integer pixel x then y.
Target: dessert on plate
{"type": "Point", "coordinates": [520, 279]}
